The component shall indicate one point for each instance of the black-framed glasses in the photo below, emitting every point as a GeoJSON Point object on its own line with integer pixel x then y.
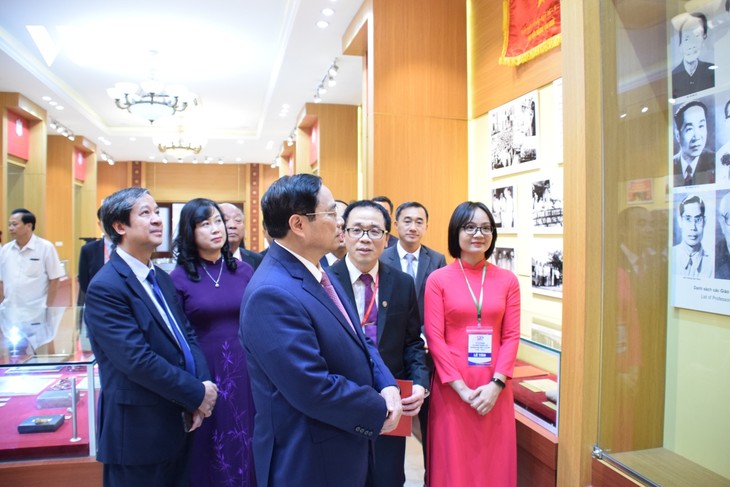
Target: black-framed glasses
{"type": "Point", "coordinates": [726, 217]}
{"type": "Point", "coordinates": [471, 229]}
{"type": "Point", "coordinates": [373, 233]}
{"type": "Point", "coordinates": [332, 213]}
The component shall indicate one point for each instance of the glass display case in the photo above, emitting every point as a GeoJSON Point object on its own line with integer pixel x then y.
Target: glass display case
{"type": "Point", "coordinates": [536, 383]}
{"type": "Point", "coordinates": [47, 369]}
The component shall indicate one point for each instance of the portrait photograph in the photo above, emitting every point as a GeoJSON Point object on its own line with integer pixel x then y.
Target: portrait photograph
{"type": "Point", "coordinates": [504, 257]}
{"type": "Point", "coordinates": [693, 53]}
{"type": "Point", "coordinates": [693, 159]}
{"type": "Point", "coordinates": [547, 267]}
{"type": "Point", "coordinates": [513, 134]}
{"type": "Point", "coordinates": [547, 204]}
{"type": "Point", "coordinates": [639, 191]}
{"type": "Point", "coordinates": [722, 139]}
{"type": "Point", "coordinates": [503, 207]}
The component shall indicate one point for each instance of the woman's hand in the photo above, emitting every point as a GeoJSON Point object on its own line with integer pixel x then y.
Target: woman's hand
{"type": "Point", "coordinates": [483, 398]}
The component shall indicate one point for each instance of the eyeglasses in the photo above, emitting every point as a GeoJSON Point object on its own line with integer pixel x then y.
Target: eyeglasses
{"type": "Point", "coordinates": [471, 229]}
{"type": "Point", "coordinates": [373, 233]}
{"type": "Point", "coordinates": [328, 213]}
{"type": "Point", "coordinates": [697, 220]}
{"type": "Point", "coordinates": [726, 217]}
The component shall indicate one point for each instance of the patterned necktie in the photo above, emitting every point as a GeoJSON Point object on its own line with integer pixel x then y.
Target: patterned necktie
{"type": "Point", "coordinates": [370, 322]}
{"type": "Point", "coordinates": [189, 361]}
{"type": "Point", "coordinates": [409, 267]}
{"type": "Point", "coordinates": [688, 179]}
{"type": "Point", "coordinates": [330, 290]}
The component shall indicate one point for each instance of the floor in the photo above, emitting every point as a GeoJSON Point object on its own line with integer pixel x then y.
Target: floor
{"type": "Point", "coordinates": [414, 463]}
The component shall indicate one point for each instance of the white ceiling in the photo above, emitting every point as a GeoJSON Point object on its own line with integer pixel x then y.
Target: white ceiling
{"type": "Point", "coordinates": [244, 59]}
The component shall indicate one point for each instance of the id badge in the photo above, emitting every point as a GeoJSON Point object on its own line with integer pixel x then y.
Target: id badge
{"type": "Point", "coordinates": [479, 346]}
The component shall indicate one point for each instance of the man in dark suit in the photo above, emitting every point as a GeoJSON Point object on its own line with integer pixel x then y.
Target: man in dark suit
{"type": "Point", "coordinates": [385, 202]}
{"type": "Point", "coordinates": [92, 257]}
{"type": "Point", "coordinates": [155, 385]}
{"type": "Point", "coordinates": [722, 248]}
{"type": "Point", "coordinates": [387, 307]}
{"type": "Point", "coordinates": [322, 392]}
{"type": "Point", "coordinates": [692, 164]}
{"type": "Point", "coordinates": [234, 219]}
{"type": "Point", "coordinates": [411, 220]}
{"type": "Point", "coordinates": [692, 74]}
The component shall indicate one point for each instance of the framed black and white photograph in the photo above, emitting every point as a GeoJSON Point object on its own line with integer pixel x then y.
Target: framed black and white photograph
{"type": "Point", "coordinates": [547, 204]}
{"type": "Point", "coordinates": [504, 257]}
{"type": "Point", "coordinates": [513, 134]}
{"type": "Point", "coordinates": [547, 267]}
{"type": "Point", "coordinates": [503, 207]}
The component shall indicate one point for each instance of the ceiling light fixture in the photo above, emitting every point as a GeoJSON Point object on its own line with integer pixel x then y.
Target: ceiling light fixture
{"type": "Point", "coordinates": [327, 81]}
{"type": "Point", "coordinates": [61, 129]}
{"type": "Point", "coordinates": [151, 100]}
{"type": "Point", "coordinates": [180, 144]}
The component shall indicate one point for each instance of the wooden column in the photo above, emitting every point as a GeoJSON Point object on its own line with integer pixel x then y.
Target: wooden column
{"type": "Point", "coordinates": [583, 243]}
{"type": "Point", "coordinates": [415, 104]}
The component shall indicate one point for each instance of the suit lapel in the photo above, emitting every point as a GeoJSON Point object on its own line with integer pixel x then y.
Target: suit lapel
{"type": "Point", "coordinates": [136, 287]}
{"type": "Point", "coordinates": [423, 264]}
{"type": "Point", "coordinates": [385, 291]}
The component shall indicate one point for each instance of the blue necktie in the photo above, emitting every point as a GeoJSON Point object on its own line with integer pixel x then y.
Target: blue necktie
{"type": "Point", "coordinates": [409, 268]}
{"type": "Point", "coordinates": [189, 361]}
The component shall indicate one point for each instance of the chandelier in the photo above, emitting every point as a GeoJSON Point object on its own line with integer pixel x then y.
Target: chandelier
{"type": "Point", "coordinates": [180, 144]}
{"type": "Point", "coordinates": [151, 99]}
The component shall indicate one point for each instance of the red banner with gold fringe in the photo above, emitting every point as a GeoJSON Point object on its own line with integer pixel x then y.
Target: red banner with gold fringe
{"type": "Point", "coordinates": [531, 28]}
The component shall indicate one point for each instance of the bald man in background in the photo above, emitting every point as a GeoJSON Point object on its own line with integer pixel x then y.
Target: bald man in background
{"type": "Point", "coordinates": [235, 220]}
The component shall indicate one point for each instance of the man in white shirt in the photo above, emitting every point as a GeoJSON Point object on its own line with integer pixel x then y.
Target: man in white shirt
{"type": "Point", "coordinates": [690, 258]}
{"type": "Point", "coordinates": [29, 275]}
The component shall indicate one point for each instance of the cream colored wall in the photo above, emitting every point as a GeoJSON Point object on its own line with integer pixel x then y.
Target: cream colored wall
{"type": "Point", "coordinates": [697, 392]}
{"type": "Point", "coordinates": [545, 309]}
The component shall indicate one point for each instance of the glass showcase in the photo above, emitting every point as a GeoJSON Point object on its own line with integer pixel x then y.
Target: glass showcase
{"type": "Point", "coordinates": [46, 371]}
{"type": "Point", "coordinates": [666, 215]}
{"type": "Point", "coordinates": [536, 382]}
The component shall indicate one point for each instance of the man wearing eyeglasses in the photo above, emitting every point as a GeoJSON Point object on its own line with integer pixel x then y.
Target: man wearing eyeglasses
{"type": "Point", "coordinates": [385, 298]}
{"type": "Point", "coordinates": [322, 392]}
{"type": "Point", "coordinates": [722, 249]}
{"type": "Point", "coordinates": [690, 258]}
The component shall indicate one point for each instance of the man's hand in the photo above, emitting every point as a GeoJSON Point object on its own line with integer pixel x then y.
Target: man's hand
{"type": "Point", "coordinates": [412, 404]}
{"type": "Point", "coordinates": [197, 420]}
{"type": "Point", "coordinates": [391, 394]}
{"type": "Point", "coordinates": [211, 394]}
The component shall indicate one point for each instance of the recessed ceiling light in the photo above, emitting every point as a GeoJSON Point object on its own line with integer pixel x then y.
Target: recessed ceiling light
{"type": "Point", "coordinates": [322, 24]}
{"type": "Point", "coordinates": [644, 109]}
{"type": "Point", "coordinates": [59, 107]}
{"type": "Point", "coordinates": [327, 12]}
{"type": "Point", "coordinates": [270, 145]}
{"type": "Point", "coordinates": [240, 141]}
{"type": "Point", "coordinates": [152, 158]}
{"type": "Point", "coordinates": [53, 103]}
{"type": "Point", "coordinates": [132, 139]}
{"type": "Point", "coordinates": [238, 159]}
{"type": "Point", "coordinates": [285, 105]}
{"type": "Point", "coordinates": [47, 98]}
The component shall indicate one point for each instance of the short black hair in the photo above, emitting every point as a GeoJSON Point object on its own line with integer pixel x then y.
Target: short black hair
{"type": "Point", "coordinates": [384, 199]}
{"type": "Point", "coordinates": [701, 17]}
{"type": "Point", "coordinates": [460, 217]}
{"type": "Point", "coordinates": [25, 216]}
{"type": "Point", "coordinates": [287, 196]}
{"type": "Point", "coordinates": [117, 207]}
{"type": "Point", "coordinates": [410, 204]}
{"type": "Point", "coordinates": [367, 204]}
{"type": "Point", "coordinates": [679, 116]}
{"type": "Point", "coordinates": [689, 200]}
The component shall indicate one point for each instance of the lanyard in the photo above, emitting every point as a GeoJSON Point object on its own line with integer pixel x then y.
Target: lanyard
{"type": "Point", "coordinates": [481, 291]}
{"type": "Point", "coordinates": [372, 300]}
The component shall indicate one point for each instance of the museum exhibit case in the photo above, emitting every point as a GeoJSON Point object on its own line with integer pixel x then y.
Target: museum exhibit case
{"type": "Point", "coordinates": [49, 385]}
{"type": "Point", "coordinates": [665, 329]}
{"type": "Point", "coordinates": [536, 383]}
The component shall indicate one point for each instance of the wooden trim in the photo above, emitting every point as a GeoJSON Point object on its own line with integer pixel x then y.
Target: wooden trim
{"type": "Point", "coordinates": [79, 472]}
{"type": "Point", "coordinates": [583, 250]}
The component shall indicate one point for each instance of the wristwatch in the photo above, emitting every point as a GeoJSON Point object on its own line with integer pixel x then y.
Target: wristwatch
{"type": "Point", "coordinates": [499, 382]}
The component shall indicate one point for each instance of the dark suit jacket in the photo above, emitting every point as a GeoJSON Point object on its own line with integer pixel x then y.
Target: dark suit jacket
{"type": "Point", "coordinates": [399, 323]}
{"type": "Point", "coordinates": [91, 259]}
{"type": "Point", "coordinates": [722, 260]}
{"type": "Point", "coordinates": [315, 382]}
{"type": "Point", "coordinates": [251, 258]}
{"type": "Point", "coordinates": [428, 261]}
{"type": "Point", "coordinates": [704, 172]}
{"type": "Point", "coordinates": [145, 388]}
{"type": "Point", "coordinates": [684, 84]}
